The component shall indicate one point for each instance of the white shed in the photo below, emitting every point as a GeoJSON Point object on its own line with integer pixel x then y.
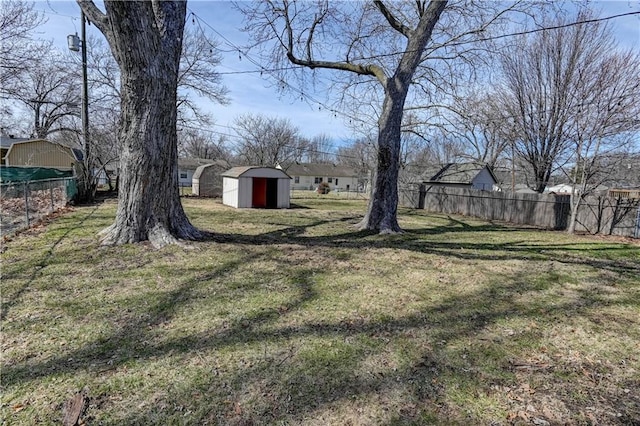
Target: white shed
{"type": "Point", "coordinates": [256, 187]}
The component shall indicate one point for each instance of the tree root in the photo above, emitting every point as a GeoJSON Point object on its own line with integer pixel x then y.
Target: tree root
{"type": "Point", "coordinates": [159, 236]}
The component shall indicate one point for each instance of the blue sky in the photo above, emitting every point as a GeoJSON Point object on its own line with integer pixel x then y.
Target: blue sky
{"type": "Point", "coordinates": [253, 93]}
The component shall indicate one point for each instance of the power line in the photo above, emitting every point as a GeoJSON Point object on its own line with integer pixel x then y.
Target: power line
{"type": "Point", "coordinates": [501, 36]}
{"type": "Point", "coordinates": [262, 70]}
{"type": "Point", "coordinates": [271, 71]}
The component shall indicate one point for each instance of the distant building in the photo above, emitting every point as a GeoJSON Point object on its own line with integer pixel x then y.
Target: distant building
{"type": "Point", "coordinates": [464, 175]}
{"type": "Point", "coordinates": [309, 175]}
{"type": "Point", "coordinates": [5, 143]}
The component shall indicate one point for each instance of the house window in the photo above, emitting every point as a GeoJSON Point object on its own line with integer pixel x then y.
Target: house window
{"type": "Point", "coordinates": [296, 179]}
{"type": "Point", "coordinates": [330, 180]}
{"type": "Point", "coordinates": [183, 175]}
{"type": "Point", "coordinates": [317, 180]}
{"type": "Point", "coordinates": [336, 181]}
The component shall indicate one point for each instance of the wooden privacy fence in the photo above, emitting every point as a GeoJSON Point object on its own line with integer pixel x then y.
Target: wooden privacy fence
{"type": "Point", "coordinates": [597, 215]}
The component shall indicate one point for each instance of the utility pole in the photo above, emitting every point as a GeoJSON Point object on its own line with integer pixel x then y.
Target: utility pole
{"type": "Point", "coordinates": [76, 44]}
{"type": "Point", "coordinates": [85, 101]}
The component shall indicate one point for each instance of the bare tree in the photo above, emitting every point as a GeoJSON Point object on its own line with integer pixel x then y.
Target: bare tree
{"type": "Point", "coordinates": [199, 144]}
{"type": "Point", "coordinates": [198, 74]}
{"type": "Point", "coordinates": [606, 120]}
{"type": "Point", "coordinates": [478, 123]}
{"type": "Point", "coordinates": [199, 60]}
{"type": "Point", "coordinates": [319, 150]}
{"type": "Point", "coordinates": [541, 77]}
{"type": "Point", "coordinates": [146, 41]}
{"type": "Point", "coordinates": [48, 91]}
{"type": "Point", "coordinates": [267, 141]}
{"type": "Point", "coordinates": [361, 156]}
{"type": "Point", "coordinates": [297, 27]}
{"type": "Point", "coordinates": [18, 19]}
{"type": "Point", "coordinates": [389, 44]}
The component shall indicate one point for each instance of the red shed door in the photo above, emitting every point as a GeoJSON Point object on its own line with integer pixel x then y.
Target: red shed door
{"type": "Point", "coordinates": [259, 196]}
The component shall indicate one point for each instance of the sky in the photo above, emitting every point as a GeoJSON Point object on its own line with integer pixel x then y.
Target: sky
{"type": "Point", "coordinates": [257, 94]}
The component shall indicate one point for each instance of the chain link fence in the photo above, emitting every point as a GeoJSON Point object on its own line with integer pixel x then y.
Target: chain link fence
{"type": "Point", "coordinates": [24, 203]}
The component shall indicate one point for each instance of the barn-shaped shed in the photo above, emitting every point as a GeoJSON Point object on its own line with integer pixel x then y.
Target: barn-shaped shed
{"type": "Point", "coordinates": [207, 179]}
{"type": "Point", "coordinates": [256, 187]}
{"type": "Point", "coordinates": [42, 153]}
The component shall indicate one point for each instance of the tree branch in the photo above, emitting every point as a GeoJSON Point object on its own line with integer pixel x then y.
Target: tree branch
{"type": "Point", "coordinates": [95, 15]}
{"type": "Point", "coordinates": [392, 20]}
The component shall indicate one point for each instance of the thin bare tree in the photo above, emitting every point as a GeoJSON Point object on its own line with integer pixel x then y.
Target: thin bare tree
{"type": "Point", "coordinates": [606, 121]}
{"type": "Point", "coordinates": [538, 94]}
{"type": "Point", "coordinates": [18, 19]}
{"type": "Point", "coordinates": [48, 90]}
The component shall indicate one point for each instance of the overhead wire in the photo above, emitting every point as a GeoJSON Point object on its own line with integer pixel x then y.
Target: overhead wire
{"type": "Point", "coordinates": [271, 71]}
{"type": "Point", "coordinates": [310, 99]}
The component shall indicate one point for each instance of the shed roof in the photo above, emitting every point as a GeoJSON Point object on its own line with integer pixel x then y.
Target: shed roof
{"type": "Point", "coordinates": [76, 153]}
{"type": "Point", "coordinates": [7, 141]}
{"type": "Point", "coordinates": [193, 163]}
{"type": "Point", "coordinates": [236, 172]}
{"type": "Point", "coordinates": [460, 173]}
{"type": "Point", "coordinates": [218, 164]}
{"type": "Point", "coordinates": [317, 169]}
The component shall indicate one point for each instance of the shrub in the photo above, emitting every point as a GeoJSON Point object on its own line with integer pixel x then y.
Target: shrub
{"type": "Point", "coordinates": [323, 188]}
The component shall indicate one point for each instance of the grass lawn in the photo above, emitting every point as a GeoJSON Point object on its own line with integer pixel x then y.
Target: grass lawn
{"type": "Point", "coordinates": [294, 317]}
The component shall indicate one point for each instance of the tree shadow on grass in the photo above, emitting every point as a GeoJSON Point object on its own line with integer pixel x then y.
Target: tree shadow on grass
{"type": "Point", "coordinates": [329, 374]}
{"type": "Point", "coordinates": [8, 301]}
{"type": "Point", "coordinates": [297, 379]}
{"type": "Point", "coordinates": [417, 240]}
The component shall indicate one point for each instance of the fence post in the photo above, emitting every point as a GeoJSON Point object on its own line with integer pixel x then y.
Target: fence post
{"type": "Point", "coordinates": [422, 194]}
{"type": "Point", "coordinates": [26, 201]}
{"type": "Point", "coordinates": [51, 195]}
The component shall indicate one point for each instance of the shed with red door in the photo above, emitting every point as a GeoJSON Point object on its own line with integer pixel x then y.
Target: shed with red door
{"type": "Point", "coordinates": [256, 187]}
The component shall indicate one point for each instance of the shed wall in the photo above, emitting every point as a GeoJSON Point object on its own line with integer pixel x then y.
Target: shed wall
{"type": "Point", "coordinates": [245, 192]}
{"type": "Point", "coordinates": [284, 186]}
{"type": "Point", "coordinates": [230, 191]}
{"type": "Point", "coordinates": [40, 153]}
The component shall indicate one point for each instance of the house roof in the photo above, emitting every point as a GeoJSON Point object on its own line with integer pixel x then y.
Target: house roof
{"type": "Point", "coordinates": [320, 170]}
{"type": "Point", "coordinates": [236, 172]}
{"type": "Point", "coordinates": [460, 173]}
{"type": "Point", "coordinates": [193, 163]}
{"type": "Point", "coordinates": [7, 141]}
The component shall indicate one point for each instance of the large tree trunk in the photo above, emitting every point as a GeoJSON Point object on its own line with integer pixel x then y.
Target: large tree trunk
{"type": "Point", "coordinates": [382, 211]}
{"type": "Point", "coordinates": [146, 40]}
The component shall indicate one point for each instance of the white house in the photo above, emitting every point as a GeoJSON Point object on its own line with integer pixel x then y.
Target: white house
{"type": "Point", "coordinates": [256, 187]}
{"type": "Point", "coordinates": [309, 176]}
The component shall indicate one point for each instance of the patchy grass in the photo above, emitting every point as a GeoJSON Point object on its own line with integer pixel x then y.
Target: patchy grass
{"type": "Point", "coordinates": [294, 317]}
